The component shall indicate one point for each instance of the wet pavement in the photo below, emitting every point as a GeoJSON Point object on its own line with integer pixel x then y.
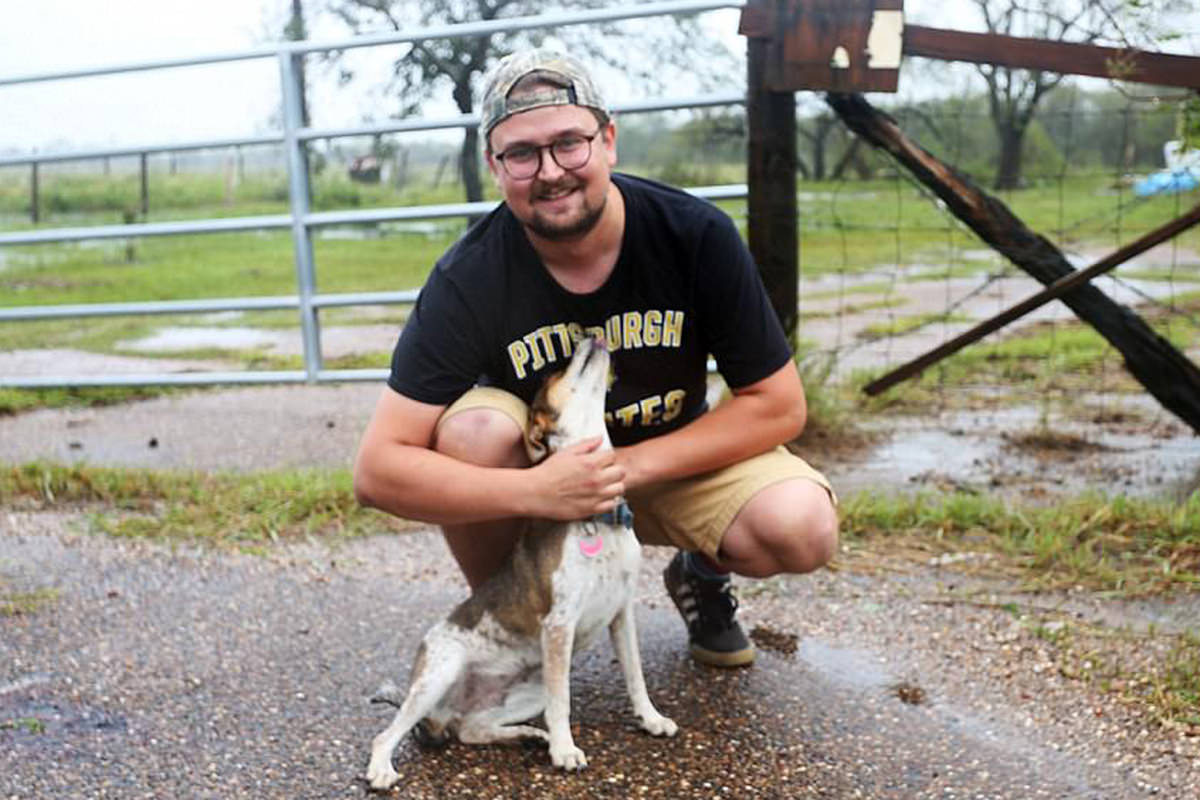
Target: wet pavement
{"type": "Point", "coordinates": [142, 670]}
{"type": "Point", "coordinates": [153, 671]}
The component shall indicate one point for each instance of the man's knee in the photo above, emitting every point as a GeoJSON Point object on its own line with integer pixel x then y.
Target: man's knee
{"type": "Point", "coordinates": [482, 436]}
{"type": "Point", "coordinates": [788, 527]}
{"type": "Point", "coordinates": [814, 531]}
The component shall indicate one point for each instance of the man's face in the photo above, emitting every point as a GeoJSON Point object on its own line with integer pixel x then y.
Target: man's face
{"type": "Point", "coordinates": [556, 204]}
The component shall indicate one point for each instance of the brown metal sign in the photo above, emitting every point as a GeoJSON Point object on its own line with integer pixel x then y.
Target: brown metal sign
{"type": "Point", "coordinates": [833, 45]}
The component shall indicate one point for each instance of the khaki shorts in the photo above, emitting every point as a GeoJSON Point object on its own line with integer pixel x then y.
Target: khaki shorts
{"type": "Point", "coordinates": [689, 513]}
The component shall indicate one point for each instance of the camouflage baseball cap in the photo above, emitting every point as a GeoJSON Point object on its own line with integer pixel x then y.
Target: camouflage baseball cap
{"type": "Point", "coordinates": [576, 86]}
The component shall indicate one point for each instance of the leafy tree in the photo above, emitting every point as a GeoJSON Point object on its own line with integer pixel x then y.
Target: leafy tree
{"type": "Point", "coordinates": [652, 53]}
{"type": "Point", "coordinates": [1014, 94]}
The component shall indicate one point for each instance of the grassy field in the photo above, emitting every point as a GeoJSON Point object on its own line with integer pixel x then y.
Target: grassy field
{"type": "Point", "coordinates": [880, 227]}
{"type": "Point", "coordinates": [845, 227]}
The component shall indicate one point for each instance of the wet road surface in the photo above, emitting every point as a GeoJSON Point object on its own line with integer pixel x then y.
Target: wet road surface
{"type": "Point", "coordinates": [153, 671]}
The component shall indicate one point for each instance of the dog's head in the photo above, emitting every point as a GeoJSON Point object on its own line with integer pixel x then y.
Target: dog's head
{"type": "Point", "coordinates": [570, 405]}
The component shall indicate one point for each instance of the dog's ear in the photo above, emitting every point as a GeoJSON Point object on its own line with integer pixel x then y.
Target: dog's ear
{"type": "Point", "coordinates": [540, 423]}
{"type": "Point", "coordinates": [542, 418]}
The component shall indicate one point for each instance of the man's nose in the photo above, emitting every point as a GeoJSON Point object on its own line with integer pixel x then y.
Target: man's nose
{"type": "Point", "coordinates": [548, 168]}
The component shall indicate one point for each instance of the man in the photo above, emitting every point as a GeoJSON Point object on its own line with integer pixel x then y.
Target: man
{"type": "Point", "coordinates": [666, 278]}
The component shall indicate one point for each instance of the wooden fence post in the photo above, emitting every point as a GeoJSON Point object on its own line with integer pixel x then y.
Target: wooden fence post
{"type": "Point", "coordinates": [772, 228]}
{"type": "Point", "coordinates": [145, 185]}
{"type": "Point", "coordinates": [34, 214]}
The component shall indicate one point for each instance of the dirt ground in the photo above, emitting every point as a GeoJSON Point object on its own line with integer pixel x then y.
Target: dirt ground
{"type": "Point", "coordinates": [140, 670]}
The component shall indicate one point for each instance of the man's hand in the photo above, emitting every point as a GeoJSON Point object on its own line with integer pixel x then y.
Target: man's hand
{"type": "Point", "coordinates": [576, 482]}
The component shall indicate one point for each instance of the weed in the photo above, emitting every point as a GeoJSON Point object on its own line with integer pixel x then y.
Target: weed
{"type": "Point", "coordinates": [15, 604]}
{"type": "Point", "coordinates": [31, 725]}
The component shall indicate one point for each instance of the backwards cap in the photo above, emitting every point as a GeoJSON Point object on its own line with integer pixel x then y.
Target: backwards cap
{"type": "Point", "coordinates": [575, 86]}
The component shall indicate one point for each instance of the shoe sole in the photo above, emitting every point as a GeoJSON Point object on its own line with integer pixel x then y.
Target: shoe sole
{"type": "Point", "coordinates": [714, 658]}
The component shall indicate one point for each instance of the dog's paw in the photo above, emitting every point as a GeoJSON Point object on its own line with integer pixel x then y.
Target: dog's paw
{"type": "Point", "coordinates": [658, 725]}
{"type": "Point", "coordinates": [571, 758]}
{"type": "Point", "coordinates": [381, 776]}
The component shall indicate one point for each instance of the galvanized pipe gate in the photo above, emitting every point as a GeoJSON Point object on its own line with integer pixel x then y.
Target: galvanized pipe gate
{"type": "Point", "coordinates": [301, 220]}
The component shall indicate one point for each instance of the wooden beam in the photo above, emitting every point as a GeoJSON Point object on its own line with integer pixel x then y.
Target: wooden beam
{"type": "Point", "coordinates": [1150, 358]}
{"type": "Point", "coordinates": [772, 229]}
{"type": "Point", "coordinates": [1036, 301]}
{"type": "Point", "coordinates": [1071, 58]}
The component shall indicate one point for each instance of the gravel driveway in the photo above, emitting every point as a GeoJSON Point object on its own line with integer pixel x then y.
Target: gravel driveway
{"type": "Point", "coordinates": [142, 670]}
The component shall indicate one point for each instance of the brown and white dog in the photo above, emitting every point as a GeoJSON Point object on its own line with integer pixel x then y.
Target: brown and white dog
{"type": "Point", "coordinates": [504, 655]}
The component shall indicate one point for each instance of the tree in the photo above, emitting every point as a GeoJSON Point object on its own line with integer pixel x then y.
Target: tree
{"type": "Point", "coordinates": [1014, 94]}
{"type": "Point", "coordinates": [428, 67]}
{"type": "Point", "coordinates": [296, 31]}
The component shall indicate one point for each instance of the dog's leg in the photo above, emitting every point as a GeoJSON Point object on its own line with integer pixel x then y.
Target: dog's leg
{"type": "Point", "coordinates": [624, 639]}
{"type": "Point", "coordinates": [558, 639]}
{"type": "Point", "coordinates": [436, 673]}
{"type": "Point", "coordinates": [480, 731]}
{"type": "Point", "coordinates": [501, 724]}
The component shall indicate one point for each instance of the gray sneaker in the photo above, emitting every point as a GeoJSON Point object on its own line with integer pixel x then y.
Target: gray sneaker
{"type": "Point", "coordinates": [709, 608]}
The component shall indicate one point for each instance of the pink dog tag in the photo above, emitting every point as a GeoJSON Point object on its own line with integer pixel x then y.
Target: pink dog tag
{"type": "Point", "coordinates": [591, 546]}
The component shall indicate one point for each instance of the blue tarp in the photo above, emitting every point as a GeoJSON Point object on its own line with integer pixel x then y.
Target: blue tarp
{"type": "Point", "coordinates": [1166, 182]}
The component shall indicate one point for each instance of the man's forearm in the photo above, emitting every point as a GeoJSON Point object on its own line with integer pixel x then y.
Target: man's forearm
{"type": "Point", "coordinates": [743, 426]}
{"type": "Point", "coordinates": [421, 484]}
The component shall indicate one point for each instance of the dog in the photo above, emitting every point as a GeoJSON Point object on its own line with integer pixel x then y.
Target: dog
{"type": "Point", "coordinates": [504, 655]}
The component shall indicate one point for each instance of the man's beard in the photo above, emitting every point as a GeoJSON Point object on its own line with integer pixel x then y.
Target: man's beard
{"type": "Point", "coordinates": [562, 231]}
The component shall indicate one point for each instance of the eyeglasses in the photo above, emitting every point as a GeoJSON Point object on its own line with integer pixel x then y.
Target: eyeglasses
{"type": "Point", "coordinates": [523, 161]}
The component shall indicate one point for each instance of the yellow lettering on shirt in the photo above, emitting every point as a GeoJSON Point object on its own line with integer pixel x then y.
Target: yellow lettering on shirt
{"type": "Point", "coordinates": [674, 404]}
{"type": "Point", "coordinates": [650, 408]}
{"type": "Point", "coordinates": [632, 330]}
{"type": "Point", "coordinates": [518, 356]}
{"type": "Point", "coordinates": [652, 328]}
{"type": "Point", "coordinates": [672, 335]}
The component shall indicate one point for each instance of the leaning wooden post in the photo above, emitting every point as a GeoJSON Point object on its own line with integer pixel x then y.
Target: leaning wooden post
{"type": "Point", "coordinates": [772, 226]}
{"type": "Point", "coordinates": [1151, 359]}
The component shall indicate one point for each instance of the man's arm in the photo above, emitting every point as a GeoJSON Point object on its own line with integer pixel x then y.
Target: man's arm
{"type": "Point", "coordinates": [755, 419]}
{"type": "Point", "coordinates": [398, 471]}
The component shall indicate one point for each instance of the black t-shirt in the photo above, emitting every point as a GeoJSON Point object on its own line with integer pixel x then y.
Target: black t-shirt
{"type": "Point", "coordinates": [684, 286]}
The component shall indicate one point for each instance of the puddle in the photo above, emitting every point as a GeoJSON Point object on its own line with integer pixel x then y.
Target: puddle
{"type": "Point", "coordinates": [336, 341]}
{"type": "Point", "coordinates": [979, 450]}
{"type": "Point", "coordinates": [858, 669]}
{"type": "Point", "coordinates": [426, 228]}
{"type": "Point", "coordinates": [180, 339]}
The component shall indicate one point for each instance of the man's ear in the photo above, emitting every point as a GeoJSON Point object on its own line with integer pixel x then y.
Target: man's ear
{"type": "Point", "coordinates": [610, 130]}
{"type": "Point", "coordinates": [535, 436]}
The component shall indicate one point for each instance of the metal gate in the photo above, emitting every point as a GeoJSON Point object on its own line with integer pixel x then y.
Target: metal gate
{"type": "Point", "coordinates": [300, 220]}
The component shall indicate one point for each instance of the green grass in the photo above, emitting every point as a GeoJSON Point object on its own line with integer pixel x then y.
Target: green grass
{"type": "Point", "coordinates": [1108, 544]}
{"type": "Point", "coordinates": [1117, 545]}
{"type": "Point", "coordinates": [848, 227]}
{"type": "Point", "coordinates": [31, 725]}
{"type": "Point", "coordinates": [899, 326]}
{"type": "Point", "coordinates": [1159, 675]}
{"type": "Point", "coordinates": [15, 604]}
{"type": "Point", "coordinates": [227, 510]}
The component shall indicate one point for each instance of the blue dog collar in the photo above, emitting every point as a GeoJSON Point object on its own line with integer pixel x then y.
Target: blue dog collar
{"type": "Point", "coordinates": [620, 515]}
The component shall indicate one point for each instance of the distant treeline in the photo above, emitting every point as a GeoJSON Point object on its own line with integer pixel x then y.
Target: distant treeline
{"type": "Point", "coordinates": [1075, 132]}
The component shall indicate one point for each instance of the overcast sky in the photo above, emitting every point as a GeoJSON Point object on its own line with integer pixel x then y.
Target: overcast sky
{"type": "Point", "coordinates": [181, 104]}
